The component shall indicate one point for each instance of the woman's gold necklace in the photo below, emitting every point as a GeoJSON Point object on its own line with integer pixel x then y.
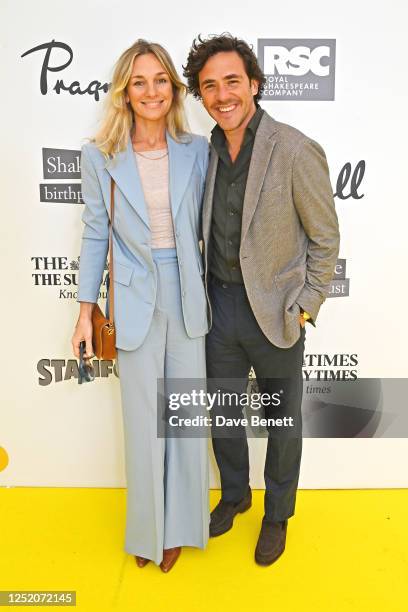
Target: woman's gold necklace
{"type": "Point", "coordinates": [152, 158]}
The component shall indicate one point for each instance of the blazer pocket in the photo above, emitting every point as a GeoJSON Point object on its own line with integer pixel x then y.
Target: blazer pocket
{"type": "Point", "coordinates": [275, 192]}
{"type": "Point", "coordinates": [122, 274]}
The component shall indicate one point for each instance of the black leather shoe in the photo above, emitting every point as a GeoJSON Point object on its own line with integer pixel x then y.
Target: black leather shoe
{"type": "Point", "coordinates": [222, 517]}
{"type": "Point", "coordinates": [271, 541]}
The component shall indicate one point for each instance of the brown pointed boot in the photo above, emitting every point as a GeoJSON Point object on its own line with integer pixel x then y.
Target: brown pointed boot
{"type": "Point", "coordinates": [141, 561]}
{"type": "Point", "coordinates": [170, 556]}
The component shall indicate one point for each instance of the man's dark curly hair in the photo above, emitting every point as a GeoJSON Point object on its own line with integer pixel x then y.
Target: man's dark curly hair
{"type": "Point", "coordinates": [203, 49]}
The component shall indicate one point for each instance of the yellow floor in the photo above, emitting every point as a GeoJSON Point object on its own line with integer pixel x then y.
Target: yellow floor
{"type": "Point", "coordinates": [346, 550]}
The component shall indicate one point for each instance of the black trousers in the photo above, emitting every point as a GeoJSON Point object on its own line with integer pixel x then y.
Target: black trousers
{"type": "Point", "coordinates": [234, 344]}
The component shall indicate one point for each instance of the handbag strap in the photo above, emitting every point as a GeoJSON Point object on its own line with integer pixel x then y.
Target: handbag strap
{"type": "Point", "coordinates": [112, 210]}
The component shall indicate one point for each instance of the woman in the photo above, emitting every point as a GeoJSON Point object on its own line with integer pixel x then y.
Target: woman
{"type": "Point", "coordinates": [160, 304]}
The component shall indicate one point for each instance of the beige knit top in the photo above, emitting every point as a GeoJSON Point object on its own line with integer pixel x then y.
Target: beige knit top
{"type": "Point", "coordinates": [154, 174]}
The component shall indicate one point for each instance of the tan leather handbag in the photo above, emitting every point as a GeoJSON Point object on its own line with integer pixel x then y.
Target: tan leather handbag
{"type": "Point", "coordinates": [103, 329]}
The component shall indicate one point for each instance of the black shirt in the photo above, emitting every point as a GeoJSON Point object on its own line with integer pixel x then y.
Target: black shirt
{"type": "Point", "coordinates": [228, 201]}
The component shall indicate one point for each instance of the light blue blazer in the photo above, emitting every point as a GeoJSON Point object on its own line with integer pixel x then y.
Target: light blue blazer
{"type": "Point", "coordinates": [134, 272]}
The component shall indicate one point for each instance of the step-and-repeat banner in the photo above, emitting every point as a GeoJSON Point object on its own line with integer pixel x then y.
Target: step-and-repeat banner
{"type": "Point", "coordinates": [337, 75]}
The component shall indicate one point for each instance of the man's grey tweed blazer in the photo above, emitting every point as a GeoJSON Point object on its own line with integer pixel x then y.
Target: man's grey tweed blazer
{"type": "Point", "coordinates": [290, 235]}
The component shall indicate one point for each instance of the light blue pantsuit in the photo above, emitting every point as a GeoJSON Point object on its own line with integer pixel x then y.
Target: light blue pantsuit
{"type": "Point", "coordinates": [161, 320]}
{"type": "Point", "coordinates": [167, 479]}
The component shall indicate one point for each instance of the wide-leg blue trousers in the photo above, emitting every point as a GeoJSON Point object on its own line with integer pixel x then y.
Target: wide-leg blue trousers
{"type": "Point", "coordinates": [167, 478]}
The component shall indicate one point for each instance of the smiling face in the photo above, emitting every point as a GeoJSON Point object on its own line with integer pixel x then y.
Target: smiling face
{"type": "Point", "coordinates": [149, 90]}
{"type": "Point", "coordinates": [226, 91]}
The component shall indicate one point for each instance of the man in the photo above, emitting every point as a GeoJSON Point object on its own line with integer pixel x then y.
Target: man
{"type": "Point", "coordinates": [271, 241]}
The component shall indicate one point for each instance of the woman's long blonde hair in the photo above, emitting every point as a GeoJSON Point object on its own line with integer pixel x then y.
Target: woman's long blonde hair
{"type": "Point", "coordinates": [118, 119]}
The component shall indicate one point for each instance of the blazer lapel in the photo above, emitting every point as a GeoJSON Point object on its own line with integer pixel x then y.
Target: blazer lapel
{"type": "Point", "coordinates": [123, 169]}
{"type": "Point", "coordinates": [181, 161]}
{"type": "Point", "coordinates": [261, 154]}
{"type": "Point", "coordinates": [209, 195]}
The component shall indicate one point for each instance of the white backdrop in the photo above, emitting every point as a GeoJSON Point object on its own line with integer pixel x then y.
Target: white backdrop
{"type": "Point", "coordinates": [57, 433]}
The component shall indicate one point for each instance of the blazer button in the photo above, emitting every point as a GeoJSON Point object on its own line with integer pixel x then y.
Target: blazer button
{"type": "Point", "coordinates": [183, 293]}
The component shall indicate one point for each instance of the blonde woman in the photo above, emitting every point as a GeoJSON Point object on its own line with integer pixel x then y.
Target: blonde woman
{"type": "Point", "coordinates": [160, 303]}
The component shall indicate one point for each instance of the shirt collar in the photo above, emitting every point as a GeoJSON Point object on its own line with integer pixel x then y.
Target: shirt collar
{"type": "Point", "coordinates": [218, 137]}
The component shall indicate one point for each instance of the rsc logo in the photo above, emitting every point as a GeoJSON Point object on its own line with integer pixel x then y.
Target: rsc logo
{"type": "Point", "coordinates": [297, 61]}
{"type": "Point", "coordinates": [297, 68]}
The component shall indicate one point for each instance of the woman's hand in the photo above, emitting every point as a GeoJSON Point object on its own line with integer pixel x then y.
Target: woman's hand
{"type": "Point", "coordinates": [83, 331]}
